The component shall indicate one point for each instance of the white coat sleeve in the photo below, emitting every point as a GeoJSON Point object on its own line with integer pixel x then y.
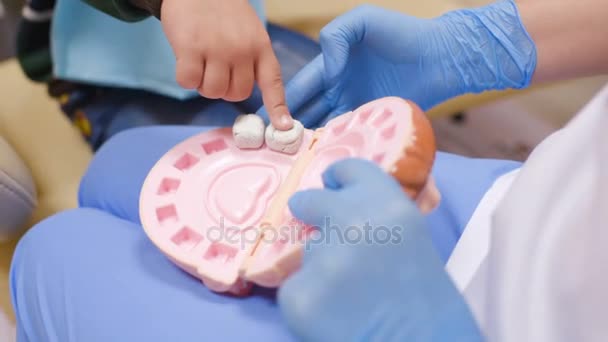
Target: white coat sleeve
{"type": "Point", "coordinates": [542, 270]}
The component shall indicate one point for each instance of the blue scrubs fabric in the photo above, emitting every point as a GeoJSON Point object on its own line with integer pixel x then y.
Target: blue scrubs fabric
{"type": "Point", "coordinates": [91, 274]}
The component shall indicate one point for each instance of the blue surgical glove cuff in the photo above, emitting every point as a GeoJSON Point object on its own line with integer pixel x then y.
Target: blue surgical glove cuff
{"type": "Point", "coordinates": [498, 51]}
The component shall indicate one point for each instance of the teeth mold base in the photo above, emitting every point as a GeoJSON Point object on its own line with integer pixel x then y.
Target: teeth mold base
{"type": "Point", "coordinates": [220, 213]}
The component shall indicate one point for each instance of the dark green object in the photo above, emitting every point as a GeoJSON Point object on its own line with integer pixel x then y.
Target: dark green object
{"type": "Point", "coordinates": [33, 50]}
{"type": "Point", "coordinates": [33, 38]}
{"type": "Point", "coordinates": [124, 10]}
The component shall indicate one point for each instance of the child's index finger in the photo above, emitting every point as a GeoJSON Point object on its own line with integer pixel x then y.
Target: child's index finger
{"type": "Point", "coordinates": [268, 75]}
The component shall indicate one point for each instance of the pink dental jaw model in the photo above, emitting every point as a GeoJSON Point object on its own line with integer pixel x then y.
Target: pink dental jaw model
{"type": "Point", "coordinates": [220, 213]}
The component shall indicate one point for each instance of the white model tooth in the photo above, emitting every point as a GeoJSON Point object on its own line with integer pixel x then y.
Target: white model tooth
{"type": "Point", "coordinates": [248, 131]}
{"type": "Point", "coordinates": [285, 141]}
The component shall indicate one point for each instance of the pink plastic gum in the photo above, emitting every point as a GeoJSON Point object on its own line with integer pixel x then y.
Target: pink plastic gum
{"type": "Point", "coordinates": [220, 213]}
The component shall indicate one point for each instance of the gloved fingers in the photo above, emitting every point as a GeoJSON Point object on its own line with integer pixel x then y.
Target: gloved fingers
{"type": "Point", "coordinates": [215, 80]}
{"type": "Point", "coordinates": [300, 299]}
{"type": "Point", "coordinates": [313, 112]}
{"type": "Point", "coordinates": [241, 83]}
{"type": "Point", "coordinates": [296, 303]}
{"type": "Point", "coordinates": [313, 206]}
{"type": "Point", "coordinates": [338, 111]}
{"type": "Point", "coordinates": [355, 172]}
{"type": "Point", "coordinates": [342, 109]}
{"type": "Point", "coordinates": [337, 38]}
{"type": "Point", "coordinates": [304, 86]}
{"type": "Point", "coordinates": [268, 76]}
{"type": "Point", "coordinates": [331, 296]}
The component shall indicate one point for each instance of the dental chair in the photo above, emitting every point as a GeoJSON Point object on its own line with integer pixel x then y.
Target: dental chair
{"type": "Point", "coordinates": [41, 154]}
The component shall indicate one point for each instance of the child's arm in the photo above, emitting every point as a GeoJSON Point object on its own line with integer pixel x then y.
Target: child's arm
{"type": "Point", "coordinates": [221, 46]}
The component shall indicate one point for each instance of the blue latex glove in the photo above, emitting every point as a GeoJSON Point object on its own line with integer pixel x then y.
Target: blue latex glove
{"type": "Point", "coordinates": [370, 53]}
{"type": "Point", "coordinates": [373, 273]}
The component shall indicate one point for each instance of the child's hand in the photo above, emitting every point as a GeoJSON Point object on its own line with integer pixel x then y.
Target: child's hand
{"type": "Point", "coordinates": [222, 48]}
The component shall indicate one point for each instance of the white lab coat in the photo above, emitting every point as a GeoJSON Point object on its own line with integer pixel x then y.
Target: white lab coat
{"type": "Point", "coordinates": [533, 261]}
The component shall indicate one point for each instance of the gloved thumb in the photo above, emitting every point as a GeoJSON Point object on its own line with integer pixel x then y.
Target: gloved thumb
{"type": "Point", "coordinates": [337, 39]}
{"type": "Point", "coordinates": [355, 172]}
{"type": "Point", "coordinates": [313, 206]}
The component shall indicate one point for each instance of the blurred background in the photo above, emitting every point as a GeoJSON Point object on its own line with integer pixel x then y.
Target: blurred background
{"type": "Point", "coordinates": [493, 125]}
{"type": "Point", "coordinates": [9, 14]}
{"type": "Point", "coordinates": [501, 125]}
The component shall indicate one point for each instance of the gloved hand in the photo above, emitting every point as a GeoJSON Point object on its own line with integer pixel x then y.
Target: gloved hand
{"type": "Point", "coordinates": [372, 273]}
{"type": "Point", "coordinates": [370, 53]}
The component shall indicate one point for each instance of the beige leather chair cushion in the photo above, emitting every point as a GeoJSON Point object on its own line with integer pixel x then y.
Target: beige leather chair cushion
{"type": "Point", "coordinates": [17, 192]}
{"type": "Point", "coordinates": [49, 146]}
